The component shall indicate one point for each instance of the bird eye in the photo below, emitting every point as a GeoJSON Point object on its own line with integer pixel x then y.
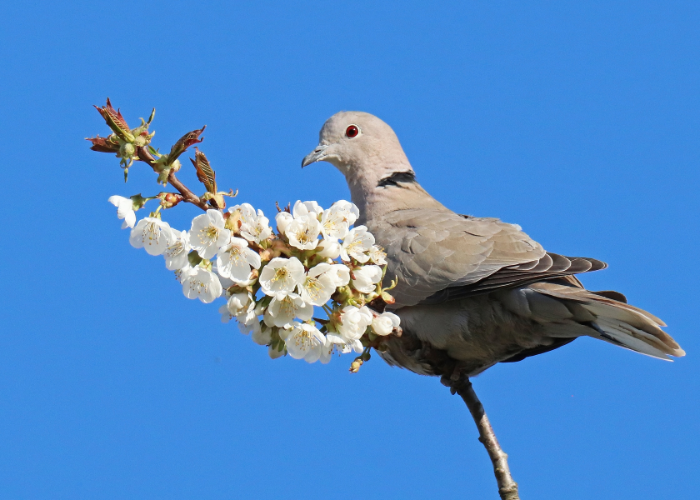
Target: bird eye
{"type": "Point", "coordinates": [352, 131]}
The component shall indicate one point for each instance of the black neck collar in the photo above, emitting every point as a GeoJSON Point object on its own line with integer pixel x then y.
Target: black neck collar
{"type": "Point", "coordinates": [396, 177]}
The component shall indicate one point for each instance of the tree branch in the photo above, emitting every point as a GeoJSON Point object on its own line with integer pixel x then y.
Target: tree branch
{"type": "Point", "coordinates": [187, 195]}
{"type": "Point", "coordinates": [507, 488]}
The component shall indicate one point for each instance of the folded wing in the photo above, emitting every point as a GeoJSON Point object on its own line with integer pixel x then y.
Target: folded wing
{"type": "Point", "coordinates": [439, 255]}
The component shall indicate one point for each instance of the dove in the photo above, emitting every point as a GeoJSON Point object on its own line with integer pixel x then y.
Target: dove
{"type": "Point", "coordinates": [472, 292]}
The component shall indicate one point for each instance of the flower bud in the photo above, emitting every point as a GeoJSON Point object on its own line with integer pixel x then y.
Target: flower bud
{"type": "Point", "coordinates": [355, 366]}
{"type": "Point", "coordinates": [274, 353]}
{"type": "Point", "coordinates": [169, 200]}
{"type": "Point", "coordinates": [385, 323]}
{"type": "Point", "coordinates": [127, 150]}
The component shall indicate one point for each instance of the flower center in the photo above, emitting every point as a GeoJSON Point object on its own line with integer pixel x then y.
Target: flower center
{"type": "Point", "coordinates": [235, 254]}
{"type": "Point", "coordinates": [199, 286]}
{"type": "Point", "coordinates": [303, 236]}
{"type": "Point", "coordinates": [152, 233]}
{"type": "Point", "coordinates": [287, 307]}
{"type": "Point", "coordinates": [354, 246]}
{"type": "Point", "coordinates": [175, 249]}
{"type": "Point", "coordinates": [303, 340]}
{"type": "Point", "coordinates": [210, 232]}
{"type": "Point", "coordinates": [281, 274]}
{"type": "Point", "coordinates": [313, 288]}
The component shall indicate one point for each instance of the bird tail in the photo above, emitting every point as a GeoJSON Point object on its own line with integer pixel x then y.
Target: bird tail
{"type": "Point", "coordinates": [607, 316]}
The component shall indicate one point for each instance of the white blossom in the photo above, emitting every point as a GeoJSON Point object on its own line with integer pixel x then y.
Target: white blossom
{"type": "Point", "coordinates": [235, 260]}
{"type": "Point", "coordinates": [336, 221]}
{"type": "Point", "coordinates": [354, 322]}
{"type": "Point", "coordinates": [377, 255]}
{"type": "Point", "coordinates": [303, 341]}
{"type": "Point", "coordinates": [248, 323]}
{"type": "Point", "coordinates": [226, 316]}
{"type": "Point", "coordinates": [247, 316]}
{"type": "Point", "coordinates": [365, 278]}
{"type": "Point", "coordinates": [301, 227]}
{"type": "Point", "coordinates": [303, 232]}
{"type": "Point", "coordinates": [183, 272]}
{"type": "Point", "coordinates": [283, 219]}
{"type": "Point", "coordinates": [328, 249]}
{"type": "Point", "coordinates": [318, 285]}
{"type": "Point", "coordinates": [251, 328]}
{"type": "Point", "coordinates": [151, 234]}
{"type": "Point", "coordinates": [226, 283]}
{"type": "Point", "coordinates": [176, 252]}
{"type": "Point", "coordinates": [246, 212]}
{"type": "Point", "coordinates": [259, 230]}
{"type": "Point", "coordinates": [201, 284]}
{"type": "Point", "coordinates": [274, 353]}
{"type": "Point", "coordinates": [337, 343]}
{"type": "Point", "coordinates": [281, 276]}
{"type": "Point", "coordinates": [254, 225]}
{"type": "Point", "coordinates": [340, 274]}
{"type": "Point", "coordinates": [262, 336]}
{"type": "Point", "coordinates": [208, 233]}
{"type": "Point", "coordinates": [306, 208]}
{"type": "Point", "coordinates": [327, 351]}
{"type": "Point", "coordinates": [282, 310]}
{"type": "Point", "coordinates": [349, 209]}
{"type": "Point", "coordinates": [239, 303]}
{"type": "Point", "coordinates": [356, 245]}
{"type": "Point", "coordinates": [125, 210]}
{"type": "Point", "coordinates": [385, 323]}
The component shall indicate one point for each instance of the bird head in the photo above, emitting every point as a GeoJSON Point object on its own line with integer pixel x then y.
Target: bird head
{"type": "Point", "coordinates": [361, 146]}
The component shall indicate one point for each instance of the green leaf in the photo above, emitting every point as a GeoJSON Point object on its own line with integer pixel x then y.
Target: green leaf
{"type": "Point", "coordinates": [194, 258]}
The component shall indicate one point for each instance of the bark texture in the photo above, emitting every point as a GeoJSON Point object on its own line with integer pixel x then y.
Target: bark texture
{"type": "Point", "coordinates": [507, 488]}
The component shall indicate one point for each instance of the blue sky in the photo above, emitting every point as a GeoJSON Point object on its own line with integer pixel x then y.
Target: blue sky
{"type": "Point", "coordinates": [581, 122]}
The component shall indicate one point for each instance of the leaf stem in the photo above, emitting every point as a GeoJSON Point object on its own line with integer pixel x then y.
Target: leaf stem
{"type": "Point", "coordinates": [187, 195]}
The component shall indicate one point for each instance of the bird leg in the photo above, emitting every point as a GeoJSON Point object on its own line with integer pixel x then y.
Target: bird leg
{"type": "Point", "coordinates": [507, 488]}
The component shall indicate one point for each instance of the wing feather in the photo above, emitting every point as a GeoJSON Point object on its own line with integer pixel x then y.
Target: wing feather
{"type": "Point", "coordinates": [439, 255]}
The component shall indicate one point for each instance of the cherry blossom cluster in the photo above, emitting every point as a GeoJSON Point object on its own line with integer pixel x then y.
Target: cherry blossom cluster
{"type": "Point", "coordinates": [274, 281]}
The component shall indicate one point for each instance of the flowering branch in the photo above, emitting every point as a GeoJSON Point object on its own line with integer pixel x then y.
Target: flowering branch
{"type": "Point", "coordinates": [187, 195]}
{"type": "Point", "coordinates": [272, 281]}
{"type": "Point", "coordinates": [507, 488]}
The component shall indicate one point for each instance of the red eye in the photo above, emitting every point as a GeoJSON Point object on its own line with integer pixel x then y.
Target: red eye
{"type": "Point", "coordinates": [352, 131]}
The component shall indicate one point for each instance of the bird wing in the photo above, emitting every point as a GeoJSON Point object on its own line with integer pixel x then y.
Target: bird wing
{"type": "Point", "coordinates": [438, 255]}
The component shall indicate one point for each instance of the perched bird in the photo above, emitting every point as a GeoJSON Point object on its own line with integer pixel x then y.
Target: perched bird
{"type": "Point", "coordinates": [472, 292]}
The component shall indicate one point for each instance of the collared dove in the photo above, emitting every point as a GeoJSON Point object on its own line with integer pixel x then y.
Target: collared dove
{"type": "Point", "coordinates": [471, 291]}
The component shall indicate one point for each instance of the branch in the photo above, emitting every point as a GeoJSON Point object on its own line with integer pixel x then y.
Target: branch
{"type": "Point", "coordinates": [507, 488]}
{"type": "Point", "coordinates": [187, 195]}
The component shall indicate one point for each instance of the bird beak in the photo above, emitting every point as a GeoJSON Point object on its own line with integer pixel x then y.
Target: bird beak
{"type": "Point", "coordinates": [317, 154]}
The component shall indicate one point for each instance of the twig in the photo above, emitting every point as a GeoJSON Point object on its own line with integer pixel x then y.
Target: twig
{"type": "Point", "coordinates": [507, 488]}
{"type": "Point", "coordinates": [187, 195]}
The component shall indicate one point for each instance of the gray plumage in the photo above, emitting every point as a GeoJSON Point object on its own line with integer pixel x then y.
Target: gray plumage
{"type": "Point", "coordinates": [471, 291]}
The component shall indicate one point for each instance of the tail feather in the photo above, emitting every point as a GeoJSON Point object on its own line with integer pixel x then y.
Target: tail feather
{"type": "Point", "coordinates": [614, 321]}
{"type": "Point", "coordinates": [620, 334]}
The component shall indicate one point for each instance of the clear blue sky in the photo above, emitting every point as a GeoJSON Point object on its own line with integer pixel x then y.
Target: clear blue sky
{"type": "Point", "coordinates": [581, 122]}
